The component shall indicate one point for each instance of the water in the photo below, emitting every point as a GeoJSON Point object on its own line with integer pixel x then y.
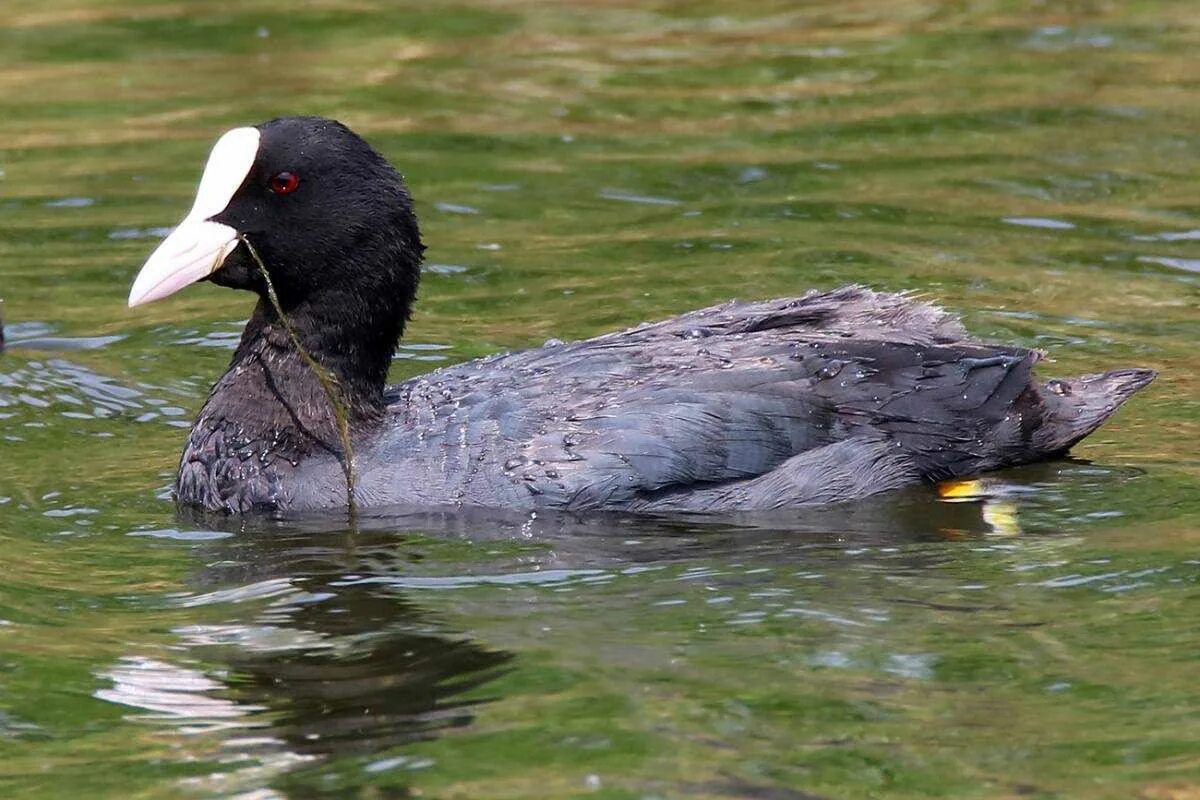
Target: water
{"type": "Point", "coordinates": [582, 167]}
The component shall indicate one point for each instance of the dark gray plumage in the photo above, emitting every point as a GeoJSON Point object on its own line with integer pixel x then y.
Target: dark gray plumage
{"type": "Point", "coordinates": [744, 406]}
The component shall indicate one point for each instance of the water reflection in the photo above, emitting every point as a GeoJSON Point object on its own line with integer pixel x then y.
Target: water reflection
{"type": "Point", "coordinates": [909, 648]}
{"type": "Point", "coordinates": [347, 669]}
{"type": "Point", "coordinates": [294, 663]}
{"type": "Point", "coordinates": [1029, 499]}
{"type": "Point", "coordinates": [570, 543]}
{"type": "Point", "coordinates": [304, 650]}
{"type": "Point", "coordinates": [34, 392]}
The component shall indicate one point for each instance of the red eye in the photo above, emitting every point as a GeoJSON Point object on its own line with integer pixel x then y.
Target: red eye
{"type": "Point", "coordinates": [284, 182]}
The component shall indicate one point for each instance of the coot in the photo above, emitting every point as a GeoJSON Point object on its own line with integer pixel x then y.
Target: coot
{"type": "Point", "coordinates": [827, 397]}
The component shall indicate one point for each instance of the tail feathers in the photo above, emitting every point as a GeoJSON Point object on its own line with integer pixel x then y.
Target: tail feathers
{"type": "Point", "coordinates": [1078, 406]}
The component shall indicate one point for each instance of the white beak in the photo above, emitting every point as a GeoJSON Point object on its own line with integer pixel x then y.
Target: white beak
{"type": "Point", "coordinates": [198, 246]}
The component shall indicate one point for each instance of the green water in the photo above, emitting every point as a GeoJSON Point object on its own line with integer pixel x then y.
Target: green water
{"type": "Point", "coordinates": [581, 167]}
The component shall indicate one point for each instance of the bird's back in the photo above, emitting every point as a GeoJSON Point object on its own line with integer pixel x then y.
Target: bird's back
{"type": "Point", "coordinates": [744, 405]}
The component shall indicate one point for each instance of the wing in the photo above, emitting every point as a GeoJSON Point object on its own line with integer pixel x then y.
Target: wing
{"type": "Point", "coordinates": [719, 395]}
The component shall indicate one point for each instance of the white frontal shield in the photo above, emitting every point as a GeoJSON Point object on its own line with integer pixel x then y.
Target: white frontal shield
{"type": "Point", "coordinates": [198, 246]}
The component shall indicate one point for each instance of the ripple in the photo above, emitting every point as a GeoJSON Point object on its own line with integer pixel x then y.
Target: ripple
{"type": "Point", "coordinates": [183, 536]}
{"type": "Point", "coordinates": [76, 392]}
{"type": "Point", "coordinates": [911, 665]}
{"type": "Point", "coordinates": [1039, 222]}
{"type": "Point", "coordinates": [66, 342]}
{"type": "Point", "coordinates": [632, 197]}
{"type": "Point", "coordinates": [444, 269]}
{"type": "Point", "coordinates": [1186, 264]}
{"type": "Point", "coordinates": [168, 690]}
{"type": "Point", "coordinates": [1060, 38]}
{"type": "Point", "coordinates": [226, 340]}
{"type": "Point", "coordinates": [70, 202]}
{"type": "Point", "coordinates": [455, 208]}
{"type": "Point", "coordinates": [255, 638]}
{"type": "Point", "coordinates": [1170, 236]}
{"type": "Point", "coordinates": [421, 351]}
{"type": "Point", "coordinates": [139, 233]}
{"type": "Point", "coordinates": [261, 590]}
{"type": "Point", "coordinates": [549, 577]}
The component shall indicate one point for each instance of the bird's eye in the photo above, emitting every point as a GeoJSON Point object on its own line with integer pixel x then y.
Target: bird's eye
{"type": "Point", "coordinates": [284, 182]}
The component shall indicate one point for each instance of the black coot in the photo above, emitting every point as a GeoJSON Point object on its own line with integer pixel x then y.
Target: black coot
{"type": "Point", "coordinates": [742, 406]}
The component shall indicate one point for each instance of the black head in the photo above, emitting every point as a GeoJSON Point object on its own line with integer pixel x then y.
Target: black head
{"type": "Point", "coordinates": [326, 213]}
{"type": "Point", "coordinates": [331, 220]}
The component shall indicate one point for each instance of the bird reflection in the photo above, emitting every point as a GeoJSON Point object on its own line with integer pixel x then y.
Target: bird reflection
{"type": "Point", "coordinates": [298, 660]}
{"type": "Point", "coordinates": [322, 653]}
{"type": "Point", "coordinates": [572, 541]}
{"type": "Point", "coordinates": [342, 667]}
{"type": "Point", "coordinates": [302, 643]}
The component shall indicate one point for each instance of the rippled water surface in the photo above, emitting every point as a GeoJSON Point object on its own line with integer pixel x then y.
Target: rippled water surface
{"type": "Point", "coordinates": [581, 167]}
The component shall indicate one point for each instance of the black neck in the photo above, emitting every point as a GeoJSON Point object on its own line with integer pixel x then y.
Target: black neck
{"type": "Point", "coordinates": [269, 412]}
{"type": "Point", "coordinates": [266, 415]}
{"type": "Point", "coordinates": [355, 349]}
{"type": "Point", "coordinates": [271, 389]}
{"type": "Point", "coordinates": [348, 316]}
